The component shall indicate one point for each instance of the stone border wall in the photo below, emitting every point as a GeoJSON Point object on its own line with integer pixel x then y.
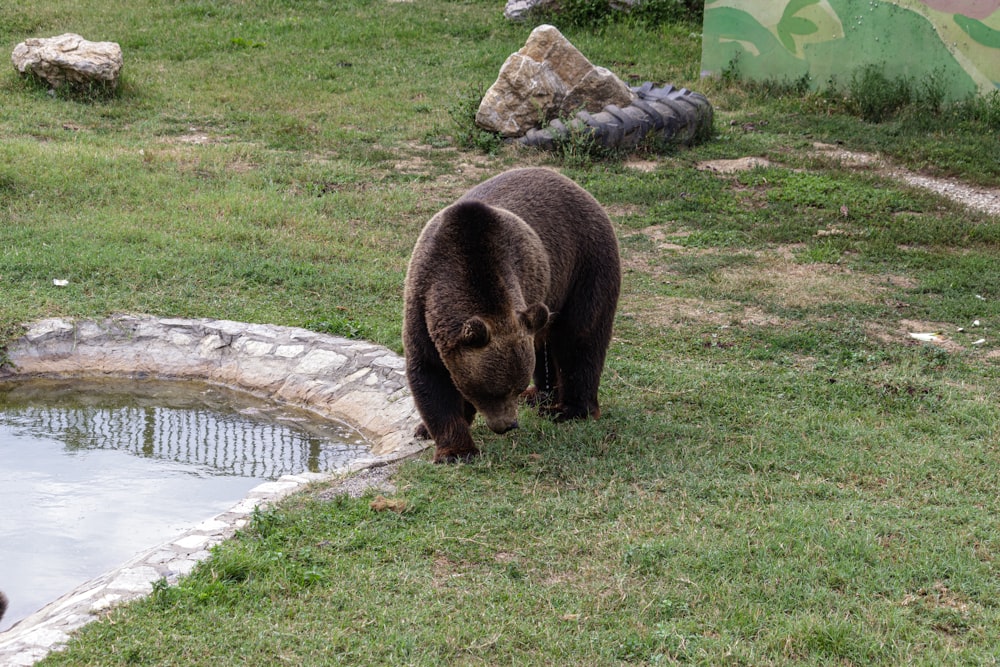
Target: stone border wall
{"type": "Point", "coordinates": [353, 381]}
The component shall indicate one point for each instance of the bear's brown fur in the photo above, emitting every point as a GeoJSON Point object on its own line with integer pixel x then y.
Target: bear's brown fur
{"type": "Point", "coordinates": [518, 279]}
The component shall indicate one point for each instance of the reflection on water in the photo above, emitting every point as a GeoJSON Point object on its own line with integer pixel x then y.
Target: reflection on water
{"type": "Point", "coordinates": [92, 473]}
{"type": "Point", "coordinates": [227, 432]}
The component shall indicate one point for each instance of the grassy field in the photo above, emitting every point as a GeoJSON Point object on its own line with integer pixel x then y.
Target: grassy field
{"type": "Point", "coordinates": [782, 475]}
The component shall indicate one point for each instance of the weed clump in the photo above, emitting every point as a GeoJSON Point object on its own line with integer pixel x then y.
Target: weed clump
{"type": "Point", "coordinates": [876, 97]}
{"type": "Point", "coordinates": [580, 147]}
{"type": "Point", "coordinates": [468, 135]}
{"type": "Point", "coordinates": [981, 110]}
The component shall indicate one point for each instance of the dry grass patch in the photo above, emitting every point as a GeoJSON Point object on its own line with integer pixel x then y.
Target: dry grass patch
{"type": "Point", "coordinates": [196, 138]}
{"type": "Point", "coordinates": [733, 166]}
{"type": "Point", "coordinates": [645, 166]}
{"type": "Point", "coordinates": [451, 172]}
{"type": "Point", "coordinates": [619, 211]}
{"type": "Point", "coordinates": [659, 234]}
{"type": "Point", "coordinates": [188, 152]}
{"type": "Point", "coordinates": [647, 261]}
{"type": "Point", "coordinates": [779, 277]}
{"type": "Point", "coordinates": [677, 312]}
{"type": "Point", "coordinates": [938, 596]}
{"type": "Point", "coordinates": [840, 157]}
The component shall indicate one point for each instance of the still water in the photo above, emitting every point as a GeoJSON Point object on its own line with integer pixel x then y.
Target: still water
{"type": "Point", "coordinates": [94, 472]}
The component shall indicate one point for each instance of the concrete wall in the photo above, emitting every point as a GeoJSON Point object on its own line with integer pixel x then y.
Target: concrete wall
{"type": "Point", "coordinates": [828, 40]}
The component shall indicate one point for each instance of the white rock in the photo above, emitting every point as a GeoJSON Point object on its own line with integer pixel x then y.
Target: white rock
{"type": "Point", "coordinates": [69, 58]}
{"type": "Point", "coordinates": [518, 10]}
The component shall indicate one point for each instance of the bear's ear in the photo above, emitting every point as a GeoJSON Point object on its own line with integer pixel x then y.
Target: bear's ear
{"type": "Point", "coordinates": [535, 317]}
{"type": "Point", "coordinates": [475, 332]}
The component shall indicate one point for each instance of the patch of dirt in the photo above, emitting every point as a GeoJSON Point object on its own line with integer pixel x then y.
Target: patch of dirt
{"type": "Point", "coordinates": [196, 139]}
{"type": "Point", "coordinates": [938, 596]}
{"type": "Point", "coordinates": [444, 570]}
{"type": "Point", "coordinates": [558, 579]}
{"type": "Point", "coordinates": [370, 479]}
{"type": "Point", "coordinates": [413, 164]}
{"type": "Point", "coordinates": [642, 262]}
{"type": "Point", "coordinates": [850, 158]}
{"type": "Point", "coordinates": [241, 166]}
{"type": "Point", "coordinates": [676, 312]}
{"type": "Point", "coordinates": [641, 165]}
{"type": "Point", "coordinates": [777, 274]}
{"type": "Point", "coordinates": [183, 149]}
{"type": "Point", "coordinates": [733, 166]}
{"type": "Point", "coordinates": [659, 233]}
{"type": "Point", "coordinates": [780, 277]}
{"type": "Point", "coordinates": [645, 261]}
{"type": "Point", "coordinates": [467, 169]}
{"type": "Point", "coordinates": [623, 210]}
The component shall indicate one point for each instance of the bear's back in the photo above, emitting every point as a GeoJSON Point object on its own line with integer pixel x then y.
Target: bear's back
{"type": "Point", "coordinates": [574, 229]}
{"type": "Point", "coordinates": [543, 198]}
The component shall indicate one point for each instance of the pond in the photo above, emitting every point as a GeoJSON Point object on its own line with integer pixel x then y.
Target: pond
{"type": "Point", "coordinates": [94, 472]}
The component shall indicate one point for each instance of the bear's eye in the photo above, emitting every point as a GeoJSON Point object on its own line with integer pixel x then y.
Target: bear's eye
{"type": "Point", "coordinates": [475, 332]}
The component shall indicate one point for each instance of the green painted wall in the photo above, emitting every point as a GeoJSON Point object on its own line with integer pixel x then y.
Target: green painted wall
{"type": "Point", "coordinates": [829, 40]}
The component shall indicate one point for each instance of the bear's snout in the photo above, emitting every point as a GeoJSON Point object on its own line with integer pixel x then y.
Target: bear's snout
{"type": "Point", "coordinates": [501, 425]}
{"type": "Point", "coordinates": [503, 428]}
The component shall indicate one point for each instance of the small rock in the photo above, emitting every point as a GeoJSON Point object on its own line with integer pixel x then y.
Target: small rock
{"type": "Point", "coordinates": [381, 504]}
{"type": "Point", "coordinates": [518, 10]}
{"type": "Point", "coordinates": [521, 10]}
{"type": "Point", "coordinates": [69, 59]}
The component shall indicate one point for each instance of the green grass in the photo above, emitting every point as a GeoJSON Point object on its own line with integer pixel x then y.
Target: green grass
{"type": "Point", "coordinates": [780, 476]}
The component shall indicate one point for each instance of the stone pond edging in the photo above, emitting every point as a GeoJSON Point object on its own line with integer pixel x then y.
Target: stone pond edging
{"type": "Point", "coordinates": [352, 381]}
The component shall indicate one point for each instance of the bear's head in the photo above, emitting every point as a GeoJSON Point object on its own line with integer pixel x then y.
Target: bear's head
{"type": "Point", "coordinates": [492, 360]}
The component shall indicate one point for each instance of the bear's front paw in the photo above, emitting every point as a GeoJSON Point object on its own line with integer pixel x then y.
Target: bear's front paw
{"type": "Point", "coordinates": [453, 455]}
{"type": "Point", "coordinates": [536, 398]}
{"type": "Point", "coordinates": [562, 413]}
{"type": "Point", "coordinates": [421, 432]}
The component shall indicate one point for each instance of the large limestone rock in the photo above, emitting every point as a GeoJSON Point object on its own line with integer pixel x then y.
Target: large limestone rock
{"type": "Point", "coordinates": [69, 59]}
{"type": "Point", "coordinates": [547, 78]}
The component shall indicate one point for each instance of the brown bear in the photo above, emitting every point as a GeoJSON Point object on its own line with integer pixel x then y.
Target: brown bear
{"type": "Point", "coordinates": [517, 280]}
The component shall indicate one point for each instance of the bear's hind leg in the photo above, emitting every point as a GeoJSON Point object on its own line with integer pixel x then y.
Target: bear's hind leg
{"type": "Point", "coordinates": [579, 367]}
{"type": "Point", "coordinates": [579, 339]}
